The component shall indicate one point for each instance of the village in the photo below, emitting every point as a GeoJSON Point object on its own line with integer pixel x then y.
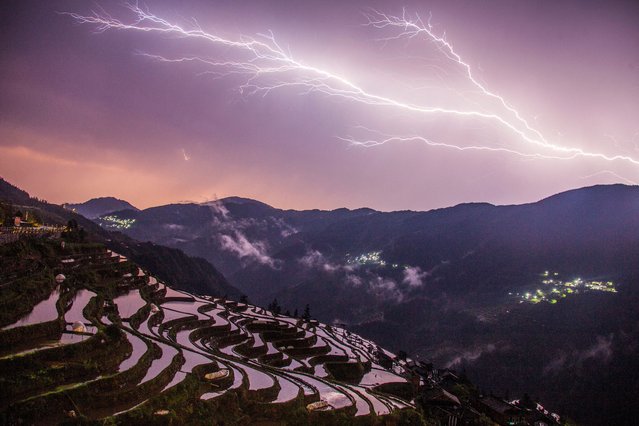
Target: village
{"type": "Point", "coordinates": [21, 221]}
{"type": "Point", "coordinates": [555, 289]}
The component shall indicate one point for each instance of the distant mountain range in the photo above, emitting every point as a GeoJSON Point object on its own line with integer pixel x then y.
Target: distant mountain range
{"type": "Point", "coordinates": [97, 207]}
{"type": "Point", "coordinates": [448, 284]}
{"type": "Point", "coordinates": [587, 231]}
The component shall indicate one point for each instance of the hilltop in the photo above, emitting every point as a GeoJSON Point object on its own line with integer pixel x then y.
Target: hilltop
{"type": "Point", "coordinates": [96, 207]}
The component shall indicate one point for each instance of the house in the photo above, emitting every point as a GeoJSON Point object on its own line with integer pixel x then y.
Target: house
{"type": "Point", "coordinates": [501, 411]}
{"type": "Point", "coordinates": [383, 359]}
{"type": "Point", "coordinates": [17, 220]}
{"type": "Point", "coordinates": [419, 368]}
{"type": "Point", "coordinates": [440, 397]}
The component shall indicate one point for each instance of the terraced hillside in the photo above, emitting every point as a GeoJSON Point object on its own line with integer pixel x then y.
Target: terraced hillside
{"type": "Point", "coordinates": [88, 335]}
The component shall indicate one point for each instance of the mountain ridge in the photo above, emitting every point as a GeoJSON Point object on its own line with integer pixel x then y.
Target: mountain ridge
{"type": "Point", "coordinates": [245, 200]}
{"type": "Point", "coordinates": [439, 282]}
{"type": "Point", "coordinates": [99, 206]}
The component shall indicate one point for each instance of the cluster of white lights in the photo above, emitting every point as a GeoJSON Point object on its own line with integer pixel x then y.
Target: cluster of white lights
{"type": "Point", "coordinates": [371, 258]}
{"type": "Point", "coordinates": [560, 289]}
{"type": "Point", "coordinates": [116, 222]}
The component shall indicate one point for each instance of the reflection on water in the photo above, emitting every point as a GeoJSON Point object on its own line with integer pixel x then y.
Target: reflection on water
{"type": "Point", "coordinates": [139, 348]}
{"type": "Point", "coordinates": [42, 312]}
{"type": "Point", "coordinates": [128, 304]}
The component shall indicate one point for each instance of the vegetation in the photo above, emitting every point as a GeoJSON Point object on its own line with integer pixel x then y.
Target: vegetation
{"type": "Point", "coordinates": [53, 375]}
{"type": "Point", "coordinates": [169, 264]}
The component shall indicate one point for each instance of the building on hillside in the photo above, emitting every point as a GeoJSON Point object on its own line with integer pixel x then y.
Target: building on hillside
{"type": "Point", "coordinates": [383, 359]}
{"type": "Point", "coordinates": [441, 397]}
{"type": "Point", "coordinates": [17, 219]}
{"type": "Point", "coordinates": [501, 411]}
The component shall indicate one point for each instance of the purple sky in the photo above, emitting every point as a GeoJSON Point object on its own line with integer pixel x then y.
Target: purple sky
{"type": "Point", "coordinates": [83, 114]}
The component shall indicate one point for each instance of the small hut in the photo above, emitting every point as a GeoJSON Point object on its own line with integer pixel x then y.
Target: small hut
{"type": "Point", "coordinates": [78, 327]}
{"type": "Point", "coordinates": [17, 219]}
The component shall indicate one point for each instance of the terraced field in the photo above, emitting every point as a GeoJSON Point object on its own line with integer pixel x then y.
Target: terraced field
{"type": "Point", "coordinates": [107, 342]}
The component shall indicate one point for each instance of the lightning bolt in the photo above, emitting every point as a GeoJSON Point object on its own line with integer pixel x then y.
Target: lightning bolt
{"type": "Point", "coordinates": [610, 172]}
{"type": "Point", "coordinates": [265, 66]}
{"type": "Point", "coordinates": [379, 138]}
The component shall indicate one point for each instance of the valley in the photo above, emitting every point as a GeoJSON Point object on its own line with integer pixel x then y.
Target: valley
{"type": "Point", "coordinates": [473, 286]}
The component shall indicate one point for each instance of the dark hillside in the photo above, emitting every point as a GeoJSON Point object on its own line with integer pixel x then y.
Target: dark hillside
{"type": "Point", "coordinates": [189, 273]}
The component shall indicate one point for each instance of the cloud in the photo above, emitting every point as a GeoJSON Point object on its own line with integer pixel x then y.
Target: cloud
{"type": "Point", "coordinates": [471, 355]}
{"type": "Point", "coordinates": [222, 218]}
{"type": "Point", "coordinates": [232, 237]}
{"type": "Point", "coordinates": [286, 230]}
{"type": "Point", "coordinates": [556, 364]}
{"type": "Point", "coordinates": [601, 350]}
{"type": "Point", "coordinates": [356, 276]}
{"type": "Point", "coordinates": [220, 210]}
{"type": "Point", "coordinates": [312, 259]}
{"type": "Point", "coordinates": [414, 276]}
{"type": "Point", "coordinates": [244, 248]}
{"type": "Point", "coordinates": [173, 226]}
{"type": "Point", "coordinates": [287, 233]}
{"type": "Point", "coordinates": [381, 287]}
{"type": "Point", "coordinates": [385, 288]}
{"type": "Point", "coordinates": [468, 254]}
{"type": "Point", "coordinates": [354, 280]}
{"type": "Point", "coordinates": [315, 259]}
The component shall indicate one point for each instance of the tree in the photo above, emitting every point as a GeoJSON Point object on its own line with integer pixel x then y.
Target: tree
{"type": "Point", "coordinates": [296, 314]}
{"type": "Point", "coordinates": [275, 307]}
{"type": "Point", "coordinates": [244, 298]}
{"type": "Point", "coordinates": [306, 316]}
{"type": "Point", "coordinates": [35, 217]}
{"type": "Point", "coordinates": [527, 402]}
{"type": "Point", "coordinates": [7, 208]}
